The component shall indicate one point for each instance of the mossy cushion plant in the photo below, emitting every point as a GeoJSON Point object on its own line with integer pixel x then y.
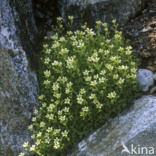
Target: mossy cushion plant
{"type": "Point", "coordinates": [86, 77]}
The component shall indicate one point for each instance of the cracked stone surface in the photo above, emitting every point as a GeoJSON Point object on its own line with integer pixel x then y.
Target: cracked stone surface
{"type": "Point", "coordinates": [18, 81]}
{"type": "Point", "coordinates": [135, 126]}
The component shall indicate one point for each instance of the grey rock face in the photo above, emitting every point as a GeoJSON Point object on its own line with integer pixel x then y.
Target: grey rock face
{"type": "Point", "coordinates": [104, 10]}
{"type": "Point", "coordinates": [136, 127]}
{"type": "Point", "coordinates": [18, 82]}
{"type": "Point", "coordinates": [145, 78]}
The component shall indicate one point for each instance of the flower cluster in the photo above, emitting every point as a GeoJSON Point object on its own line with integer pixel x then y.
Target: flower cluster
{"type": "Point", "coordinates": [86, 76]}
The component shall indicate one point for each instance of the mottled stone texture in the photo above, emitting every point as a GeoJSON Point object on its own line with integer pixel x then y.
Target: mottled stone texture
{"type": "Point", "coordinates": [104, 10]}
{"type": "Point", "coordinates": [26, 25]}
{"type": "Point", "coordinates": [136, 126]}
{"type": "Point", "coordinates": [145, 78]}
{"type": "Point", "coordinates": [18, 82]}
{"type": "Point", "coordinates": [17, 101]}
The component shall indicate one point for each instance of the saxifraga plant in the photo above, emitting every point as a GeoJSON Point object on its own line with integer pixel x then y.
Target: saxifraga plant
{"type": "Point", "coordinates": [86, 77]}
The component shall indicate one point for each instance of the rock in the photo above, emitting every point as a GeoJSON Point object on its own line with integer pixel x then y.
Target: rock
{"type": "Point", "coordinates": [153, 90]}
{"type": "Point", "coordinates": [45, 13]}
{"type": "Point", "coordinates": [104, 10]}
{"type": "Point", "coordinates": [154, 76]}
{"type": "Point", "coordinates": [152, 68]}
{"type": "Point", "coordinates": [18, 30]}
{"type": "Point", "coordinates": [134, 128]}
{"type": "Point", "coordinates": [18, 81]}
{"type": "Point", "coordinates": [145, 78]}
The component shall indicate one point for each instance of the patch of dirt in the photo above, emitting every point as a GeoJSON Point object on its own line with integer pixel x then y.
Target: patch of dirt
{"type": "Point", "coordinates": [141, 32]}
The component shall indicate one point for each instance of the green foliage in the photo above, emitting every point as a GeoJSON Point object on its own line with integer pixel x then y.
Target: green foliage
{"type": "Point", "coordinates": [86, 77]}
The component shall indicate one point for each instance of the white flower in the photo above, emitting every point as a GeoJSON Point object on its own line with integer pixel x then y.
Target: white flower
{"type": "Point", "coordinates": [73, 38]}
{"type": "Point", "coordinates": [115, 76]}
{"type": "Point", "coordinates": [45, 46]}
{"type": "Point", "coordinates": [117, 36]}
{"type": "Point", "coordinates": [113, 21]}
{"type": "Point", "coordinates": [59, 18]}
{"type": "Point", "coordinates": [65, 133]}
{"type": "Point", "coordinates": [133, 76]}
{"type": "Point", "coordinates": [44, 105]}
{"type": "Point", "coordinates": [39, 134]}
{"type": "Point", "coordinates": [122, 67]}
{"type": "Point", "coordinates": [129, 48]}
{"type": "Point", "coordinates": [32, 148]}
{"type": "Point", "coordinates": [95, 59]}
{"type": "Point", "coordinates": [47, 51]}
{"type": "Point", "coordinates": [46, 82]}
{"type": "Point", "coordinates": [70, 62]}
{"type": "Point", "coordinates": [103, 72]}
{"type": "Point", "coordinates": [90, 32]}
{"type": "Point", "coordinates": [33, 136]}
{"type": "Point", "coordinates": [133, 70]}
{"type": "Point", "coordinates": [47, 60]}
{"type": "Point", "coordinates": [98, 22]}
{"type": "Point", "coordinates": [66, 109]}
{"type": "Point", "coordinates": [105, 25]}
{"type": "Point", "coordinates": [56, 63]}
{"type": "Point", "coordinates": [62, 39]}
{"type": "Point", "coordinates": [85, 109]}
{"type": "Point", "coordinates": [98, 105]}
{"type": "Point", "coordinates": [50, 116]}
{"type": "Point", "coordinates": [93, 83]}
{"type": "Point", "coordinates": [54, 37]}
{"type": "Point", "coordinates": [50, 129]}
{"type": "Point", "coordinates": [69, 33]}
{"type": "Point", "coordinates": [108, 41]}
{"type": "Point", "coordinates": [67, 90]}
{"type": "Point", "coordinates": [41, 97]}
{"type": "Point", "coordinates": [113, 58]}
{"type": "Point", "coordinates": [30, 127]}
{"type": "Point", "coordinates": [102, 80]}
{"type": "Point", "coordinates": [69, 84]}
{"type": "Point", "coordinates": [33, 119]}
{"type": "Point", "coordinates": [111, 46]}
{"type": "Point", "coordinates": [55, 45]}
{"type": "Point", "coordinates": [62, 118]}
{"type": "Point", "coordinates": [57, 143]}
{"type": "Point", "coordinates": [59, 112]}
{"type": "Point", "coordinates": [133, 63]}
{"type": "Point", "coordinates": [58, 96]}
{"type": "Point", "coordinates": [38, 142]}
{"type": "Point", "coordinates": [121, 49]}
{"type": "Point", "coordinates": [70, 18]}
{"type": "Point", "coordinates": [64, 79]}
{"type": "Point", "coordinates": [92, 96]}
{"type": "Point", "coordinates": [64, 51]}
{"type": "Point", "coordinates": [51, 107]}
{"type": "Point", "coordinates": [21, 154]}
{"type": "Point", "coordinates": [56, 131]}
{"type": "Point", "coordinates": [42, 124]}
{"type": "Point", "coordinates": [86, 72]}
{"type": "Point", "coordinates": [96, 76]}
{"type": "Point", "coordinates": [128, 52]}
{"type": "Point", "coordinates": [26, 144]}
{"type": "Point", "coordinates": [88, 79]}
{"type": "Point", "coordinates": [36, 112]}
{"type": "Point", "coordinates": [67, 101]}
{"type": "Point", "coordinates": [82, 91]}
{"type": "Point", "coordinates": [101, 50]}
{"type": "Point", "coordinates": [79, 99]}
{"type": "Point", "coordinates": [55, 86]}
{"type": "Point", "coordinates": [109, 67]}
{"type": "Point", "coordinates": [121, 81]}
{"type": "Point", "coordinates": [106, 52]}
{"type": "Point", "coordinates": [112, 95]}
